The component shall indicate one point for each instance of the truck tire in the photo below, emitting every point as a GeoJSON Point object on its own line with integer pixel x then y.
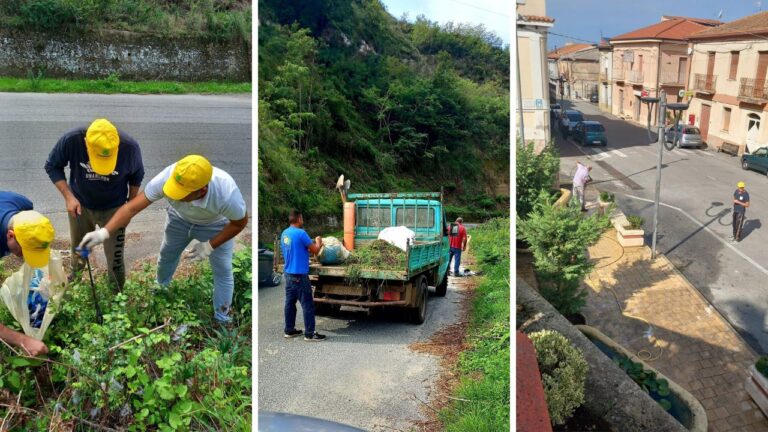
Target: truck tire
{"type": "Point", "coordinates": [418, 314]}
{"type": "Point", "coordinates": [442, 288]}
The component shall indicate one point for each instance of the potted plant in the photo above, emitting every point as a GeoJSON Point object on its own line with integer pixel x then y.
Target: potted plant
{"type": "Point", "coordinates": [629, 230]}
{"type": "Point", "coordinates": [757, 383]}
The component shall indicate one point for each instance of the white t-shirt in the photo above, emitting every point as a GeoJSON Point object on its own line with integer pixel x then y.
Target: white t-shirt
{"type": "Point", "coordinates": [222, 202]}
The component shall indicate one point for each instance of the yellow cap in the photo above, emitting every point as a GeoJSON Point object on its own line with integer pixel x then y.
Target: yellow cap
{"type": "Point", "coordinates": [34, 233]}
{"type": "Point", "coordinates": [102, 142]}
{"type": "Point", "coordinates": [190, 174]}
{"type": "Point", "coordinates": [740, 184]}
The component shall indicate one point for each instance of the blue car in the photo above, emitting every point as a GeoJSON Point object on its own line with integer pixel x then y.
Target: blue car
{"type": "Point", "coordinates": [590, 133]}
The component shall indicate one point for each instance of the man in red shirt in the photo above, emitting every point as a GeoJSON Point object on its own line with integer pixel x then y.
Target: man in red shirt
{"type": "Point", "coordinates": [458, 236]}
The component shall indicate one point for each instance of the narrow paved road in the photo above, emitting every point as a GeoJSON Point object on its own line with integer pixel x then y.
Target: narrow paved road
{"type": "Point", "coordinates": [694, 217]}
{"type": "Point", "coordinates": [364, 375]}
{"type": "Point", "coordinates": [166, 127]}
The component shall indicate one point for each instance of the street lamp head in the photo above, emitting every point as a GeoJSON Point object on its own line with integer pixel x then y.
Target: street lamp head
{"type": "Point", "coordinates": [677, 106]}
{"type": "Point", "coordinates": [649, 100]}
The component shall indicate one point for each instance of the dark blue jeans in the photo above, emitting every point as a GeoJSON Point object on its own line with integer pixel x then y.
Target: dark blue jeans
{"type": "Point", "coordinates": [457, 253]}
{"type": "Point", "coordinates": [298, 288]}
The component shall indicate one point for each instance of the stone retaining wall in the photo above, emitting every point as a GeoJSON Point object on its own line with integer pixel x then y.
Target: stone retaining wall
{"type": "Point", "coordinates": [129, 55]}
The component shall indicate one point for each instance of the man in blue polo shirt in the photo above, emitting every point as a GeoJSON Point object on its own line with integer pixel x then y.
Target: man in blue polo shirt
{"type": "Point", "coordinates": [105, 172]}
{"type": "Point", "coordinates": [13, 238]}
{"type": "Point", "coordinates": [296, 246]}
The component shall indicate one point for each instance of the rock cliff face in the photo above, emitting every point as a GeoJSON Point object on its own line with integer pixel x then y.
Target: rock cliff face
{"type": "Point", "coordinates": [130, 56]}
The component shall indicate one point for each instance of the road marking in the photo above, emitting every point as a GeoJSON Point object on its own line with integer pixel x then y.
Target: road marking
{"type": "Point", "coordinates": [707, 229]}
{"type": "Point", "coordinates": [618, 152]}
{"type": "Point", "coordinates": [678, 152]}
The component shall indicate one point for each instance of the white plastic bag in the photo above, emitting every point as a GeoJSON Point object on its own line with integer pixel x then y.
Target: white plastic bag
{"type": "Point", "coordinates": [332, 252]}
{"type": "Point", "coordinates": [398, 236]}
{"type": "Point", "coordinates": [15, 291]}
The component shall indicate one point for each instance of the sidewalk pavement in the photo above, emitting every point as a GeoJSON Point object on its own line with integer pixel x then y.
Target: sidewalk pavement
{"type": "Point", "coordinates": [631, 297]}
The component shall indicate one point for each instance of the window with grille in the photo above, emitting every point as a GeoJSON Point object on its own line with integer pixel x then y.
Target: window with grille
{"type": "Point", "coordinates": [374, 216]}
{"type": "Point", "coordinates": [415, 217]}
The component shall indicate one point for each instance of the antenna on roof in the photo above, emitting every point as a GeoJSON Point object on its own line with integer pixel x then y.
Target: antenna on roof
{"type": "Point", "coordinates": [720, 14]}
{"type": "Point", "coordinates": [759, 5]}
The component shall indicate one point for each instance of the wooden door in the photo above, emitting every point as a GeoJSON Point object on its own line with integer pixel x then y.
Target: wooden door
{"type": "Point", "coordinates": [704, 126]}
{"type": "Point", "coordinates": [682, 70]}
{"type": "Point", "coordinates": [762, 65]}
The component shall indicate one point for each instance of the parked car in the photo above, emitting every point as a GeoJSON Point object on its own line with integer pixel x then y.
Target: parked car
{"type": "Point", "coordinates": [590, 133]}
{"type": "Point", "coordinates": [688, 136]}
{"type": "Point", "coordinates": [593, 98]}
{"type": "Point", "coordinates": [757, 161]}
{"type": "Point", "coordinates": [568, 120]}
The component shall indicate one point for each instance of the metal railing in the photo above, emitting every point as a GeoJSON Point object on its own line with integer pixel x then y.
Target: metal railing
{"type": "Point", "coordinates": [603, 77]}
{"type": "Point", "coordinates": [672, 78]}
{"type": "Point", "coordinates": [751, 88]}
{"type": "Point", "coordinates": [705, 83]}
{"type": "Point", "coordinates": [618, 74]}
{"type": "Point", "coordinates": [635, 76]}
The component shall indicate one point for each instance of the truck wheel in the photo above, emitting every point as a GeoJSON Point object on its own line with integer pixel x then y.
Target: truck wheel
{"type": "Point", "coordinates": [442, 288]}
{"type": "Point", "coordinates": [418, 314]}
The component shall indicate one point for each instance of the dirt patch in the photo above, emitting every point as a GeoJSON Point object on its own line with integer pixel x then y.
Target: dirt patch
{"type": "Point", "coordinates": [447, 343]}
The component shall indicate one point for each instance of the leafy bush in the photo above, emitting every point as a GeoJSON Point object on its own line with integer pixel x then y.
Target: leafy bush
{"type": "Point", "coordinates": [762, 365]}
{"type": "Point", "coordinates": [607, 197]}
{"type": "Point", "coordinates": [533, 173]}
{"type": "Point", "coordinates": [635, 222]}
{"type": "Point", "coordinates": [156, 363]}
{"type": "Point", "coordinates": [563, 373]}
{"type": "Point", "coordinates": [657, 388]}
{"type": "Point", "coordinates": [559, 238]}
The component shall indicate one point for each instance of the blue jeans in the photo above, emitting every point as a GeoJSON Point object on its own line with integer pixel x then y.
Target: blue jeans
{"type": "Point", "coordinates": [178, 234]}
{"type": "Point", "coordinates": [457, 253]}
{"type": "Point", "coordinates": [298, 288]}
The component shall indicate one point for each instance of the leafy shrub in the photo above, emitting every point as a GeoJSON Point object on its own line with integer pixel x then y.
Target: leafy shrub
{"type": "Point", "coordinates": [635, 222]}
{"type": "Point", "coordinates": [563, 373]}
{"type": "Point", "coordinates": [559, 238]}
{"type": "Point", "coordinates": [762, 365]}
{"type": "Point", "coordinates": [156, 363]}
{"type": "Point", "coordinates": [657, 388]}
{"type": "Point", "coordinates": [607, 197]}
{"type": "Point", "coordinates": [533, 173]}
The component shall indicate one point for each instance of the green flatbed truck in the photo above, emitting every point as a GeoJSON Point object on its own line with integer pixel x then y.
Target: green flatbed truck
{"type": "Point", "coordinates": [426, 261]}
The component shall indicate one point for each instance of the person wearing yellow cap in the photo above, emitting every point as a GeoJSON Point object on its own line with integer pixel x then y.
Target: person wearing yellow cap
{"type": "Point", "coordinates": [205, 205]}
{"type": "Point", "coordinates": [740, 204]}
{"type": "Point", "coordinates": [27, 234]}
{"type": "Point", "coordinates": [105, 172]}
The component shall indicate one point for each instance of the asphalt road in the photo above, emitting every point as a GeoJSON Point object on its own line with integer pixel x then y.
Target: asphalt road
{"type": "Point", "coordinates": [166, 127]}
{"type": "Point", "coordinates": [363, 375]}
{"type": "Point", "coordinates": [694, 217]}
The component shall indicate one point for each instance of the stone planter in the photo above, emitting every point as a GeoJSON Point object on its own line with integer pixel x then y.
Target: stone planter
{"type": "Point", "coordinates": [696, 417]}
{"type": "Point", "coordinates": [565, 197]}
{"type": "Point", "coordinates": [532, 412]}
{"type": "Point", "coordinates": [627, 237]}
{"type": "Point", "coordinates": [757, 387]}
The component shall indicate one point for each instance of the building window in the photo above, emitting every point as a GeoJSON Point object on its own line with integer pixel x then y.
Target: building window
{"type": "Point", "coordinates": [640, 63]}
{"type": "Point", "coordinates": [726, 119]}
{"type": "Point", "coordinates": [734, 65]}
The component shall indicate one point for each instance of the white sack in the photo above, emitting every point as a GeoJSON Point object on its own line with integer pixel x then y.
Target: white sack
{"type": "Point", "coordinates": [398, 236]}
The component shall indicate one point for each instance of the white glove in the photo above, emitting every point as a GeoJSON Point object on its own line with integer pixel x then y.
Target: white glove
{"type": "Point", "coordinates": [94, 238]}
{"type": "Point", "coordinates": [200, 251]}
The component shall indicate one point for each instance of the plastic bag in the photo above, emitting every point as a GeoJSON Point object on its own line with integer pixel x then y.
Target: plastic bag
{"type": "Point", "coordinates": [332, 252]}
{"type": "Point", "coordinates": [51, 285]}
{"type": "Point", "coordinates": [398, 236]}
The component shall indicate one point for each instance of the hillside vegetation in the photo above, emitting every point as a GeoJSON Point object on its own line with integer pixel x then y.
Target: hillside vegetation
{"type": "Point", "coordinates": [344, 87]}
{"type": "Point", "coordinates": [218, 20]}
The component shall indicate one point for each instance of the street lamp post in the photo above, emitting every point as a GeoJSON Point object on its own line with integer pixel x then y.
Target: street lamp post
{"type": "Point", "coordinates": [677, 108]}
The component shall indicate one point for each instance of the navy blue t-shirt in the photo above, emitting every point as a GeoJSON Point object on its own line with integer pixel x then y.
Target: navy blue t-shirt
{"type": "Point", "coordinates": [94, 191]}
{"type": "Point", "coordinates": [294, 243]}
{"type": "Point", "coordinates": [10, 204]}
{"type": "Point", "coordinates": [743, 197]}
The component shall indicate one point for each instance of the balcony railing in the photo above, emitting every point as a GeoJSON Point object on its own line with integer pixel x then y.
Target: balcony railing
{"type": "Point", "coordinates": [635, 77]}
{"type": "Point", "coordinates": [670, 78]}
{"type": "Point", "coordinates": [618, 74]}
{"type": "Point", "coordinates": [603, 77]}
{"type": "Point", "coordinates": [753, 89]}
{"type": "Point", "coordinates": [704, 83]}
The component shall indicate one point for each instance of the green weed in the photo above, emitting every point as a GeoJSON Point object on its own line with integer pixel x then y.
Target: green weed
{"type": "Point", "coordinates": [113, 85]}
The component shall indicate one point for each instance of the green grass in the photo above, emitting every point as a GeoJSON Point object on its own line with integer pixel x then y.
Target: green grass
{"type": "Point", "coordinates": [483, 393]}
{"type": "Point", "coordinates": [113, 85]}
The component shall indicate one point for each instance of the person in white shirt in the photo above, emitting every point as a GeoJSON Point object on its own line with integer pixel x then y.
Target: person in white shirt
{"type": "Point", "coordinates": [205, 205]}
{"type": "Point", "coordinates": [580, 180]}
